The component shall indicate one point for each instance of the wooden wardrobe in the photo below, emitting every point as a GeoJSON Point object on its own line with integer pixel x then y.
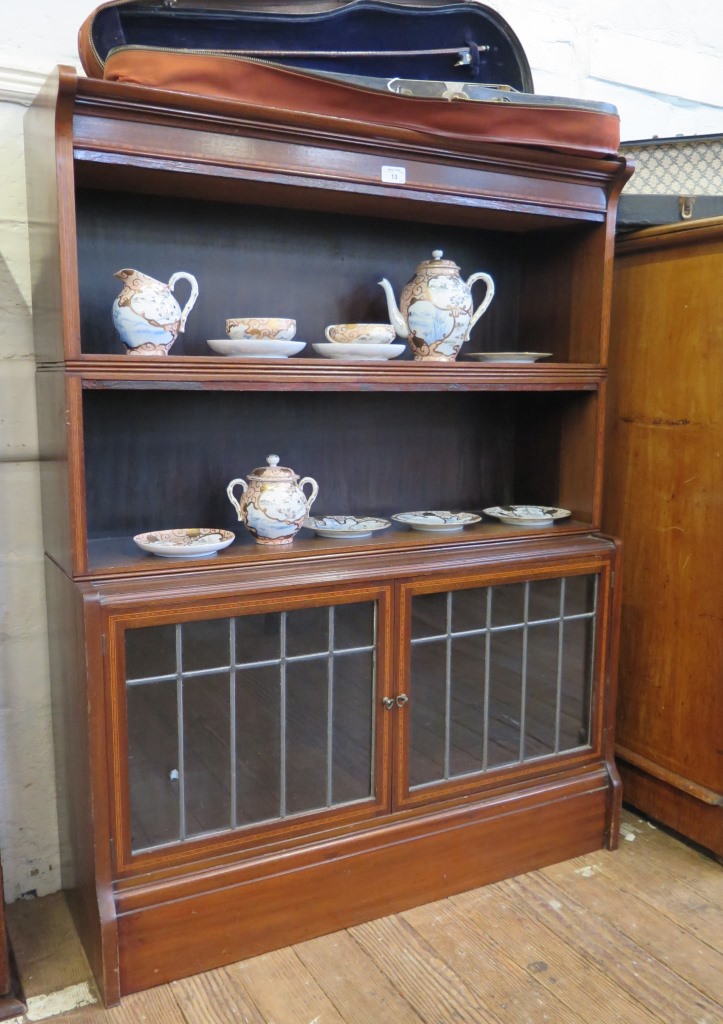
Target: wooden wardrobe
{"type": "Point", "coordinates": [664, 497]}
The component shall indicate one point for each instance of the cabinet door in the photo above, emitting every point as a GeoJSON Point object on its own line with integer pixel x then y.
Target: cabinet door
{"type": "Point", "coordinates": [241, 727]}
{"type": "Point", "coordinates": [499, 679]}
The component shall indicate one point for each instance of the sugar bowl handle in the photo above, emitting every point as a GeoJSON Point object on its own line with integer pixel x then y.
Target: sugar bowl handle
{"type": "Point", "coordinates": [232, 497]}
{"type": "Point", "coordinates": [314, 491]}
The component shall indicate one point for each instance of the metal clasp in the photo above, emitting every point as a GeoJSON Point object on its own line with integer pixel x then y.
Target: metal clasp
{"type": "Point", "coordinates": [686, 204]}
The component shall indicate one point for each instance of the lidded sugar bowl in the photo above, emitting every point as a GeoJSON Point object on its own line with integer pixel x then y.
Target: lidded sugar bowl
{"type": "Point", "coordinates": [273, 506]}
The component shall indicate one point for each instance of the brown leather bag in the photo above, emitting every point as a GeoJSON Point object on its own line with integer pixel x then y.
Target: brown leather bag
{"type": "Point", "coordinates": [450, 71]}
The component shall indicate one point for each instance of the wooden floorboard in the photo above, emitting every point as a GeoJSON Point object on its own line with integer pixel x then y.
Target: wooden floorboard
{"type": "Point", "coordinates": [510, 992]}
{"type": "Point", "coordinates": [631, 936]}
{"type": "Point", "coordinates": [353, 982]}
{"type": "Point", "coordinates": [559, 966]}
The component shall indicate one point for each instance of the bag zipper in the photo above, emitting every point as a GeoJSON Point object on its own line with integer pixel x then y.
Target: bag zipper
{"type": "Point", "coordinates": [464, 52]}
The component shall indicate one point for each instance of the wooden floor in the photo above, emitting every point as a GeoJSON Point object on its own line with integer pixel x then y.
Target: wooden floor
{"type": "Point", "coordinates": [633, 936]}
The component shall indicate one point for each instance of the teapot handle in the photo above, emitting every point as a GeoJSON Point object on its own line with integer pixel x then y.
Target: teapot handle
{"type": "Point", "coordinates": [314, 491]}
{"type": "Point", "coordinates": [182, 275]}
{"type": "Point", "coordinates": [232, 497]}
{"type": "Point", "coordinates": [487, 299]}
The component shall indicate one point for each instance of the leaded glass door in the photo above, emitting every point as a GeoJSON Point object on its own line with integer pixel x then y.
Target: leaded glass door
{"type": "Point", "coordinates": [260, 721]}
{"type": "Point", "coordinates": [498, 680]}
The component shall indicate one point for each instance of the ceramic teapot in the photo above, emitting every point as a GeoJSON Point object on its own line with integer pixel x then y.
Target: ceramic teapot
{"type": "Point", "coordinates": [273, 506]}
{"type": "Point", "coordinates": [436, 312]}
{"type": "Point", "coordinates": [146, 315]}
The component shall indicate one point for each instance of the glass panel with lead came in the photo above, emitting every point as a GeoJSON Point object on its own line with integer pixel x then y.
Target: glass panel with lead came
{"type": "Point", "coordinates": [235, 722]}
{"type": "Point", "coordinates": [500, 676]}
{"type": "Point", "coordinates": [353, 724]}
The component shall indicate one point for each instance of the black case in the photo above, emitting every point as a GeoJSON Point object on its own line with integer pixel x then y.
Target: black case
{"type": "Point", "coordinates": [676, 179]}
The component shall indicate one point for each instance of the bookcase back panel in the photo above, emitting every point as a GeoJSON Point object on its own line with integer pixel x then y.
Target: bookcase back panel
{"type": "Point", "coordinates": [322, 268]}
{"type": "Point", "coordinates": [161, 459]}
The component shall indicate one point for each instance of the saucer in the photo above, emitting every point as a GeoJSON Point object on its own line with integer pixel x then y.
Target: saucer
{"type": "Point", "coordinates": [508, 357]}
{"type": "Point", "coordinates": [527, 515]}
{"type": "Point", "coordinates": [352, 351]}
{"type": "Point", "coordinates": [439, 522]}
{"type": "Point", "coordinates": [346, 527]}
{"type": "Point", "coordinates": [255, 348]}
{"type": "Point", "coordinates": [191, 543]}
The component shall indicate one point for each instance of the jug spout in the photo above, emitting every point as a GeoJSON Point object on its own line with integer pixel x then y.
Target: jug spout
{"type": "Point", "coordinates": [395, 317]}
{"type": "Point", "coordinates": [128, 272]}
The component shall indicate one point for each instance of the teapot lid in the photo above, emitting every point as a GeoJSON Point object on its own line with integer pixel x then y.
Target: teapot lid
{"type": "Point", "coordinates": [437, 262]}
{"type": "Point", "coordinates": [274, 471]}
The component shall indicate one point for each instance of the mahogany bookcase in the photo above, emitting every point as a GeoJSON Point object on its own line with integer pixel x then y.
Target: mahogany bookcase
{"type": "Point", "coordinates": [273, 743]}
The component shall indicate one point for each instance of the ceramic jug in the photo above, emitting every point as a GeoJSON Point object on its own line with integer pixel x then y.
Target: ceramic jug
{"type": "Point", "coordinates": [436, 312]}
{"type": "Point", "coordinates": [146, 315]}
{"type": "Point", "coordinates": [273, 506]}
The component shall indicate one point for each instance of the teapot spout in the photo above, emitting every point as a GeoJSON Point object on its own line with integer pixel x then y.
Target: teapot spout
{"type": "Point", "coordinates": [395, 317]}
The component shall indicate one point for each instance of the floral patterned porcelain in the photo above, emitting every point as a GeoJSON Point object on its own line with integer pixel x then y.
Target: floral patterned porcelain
{"type": "Point", "coordinates": [527, 515]}
{"type": "Point", "coordinates": [146, 315]}
{"type": "Point", "coordinates": [435, 521]}
{"type": "Point", "coordinates": [273, 506]}
{"type": "Point", "coordinates": [191, 543]}
{"type": "Point", "coordinates": [508, 357]}
{"type": "Point", "coordinates": [255, 348]}
{"type": "Point", "coordinates": [355, 353]}
{"type": "Point", "coordinates": [435, 311]}
{"type": "Point", "coordinates": [360, 334]}
{"type": "Point", "coordinates": [271, 327]}
{"type": "Point", "coordinates": [347, 527]}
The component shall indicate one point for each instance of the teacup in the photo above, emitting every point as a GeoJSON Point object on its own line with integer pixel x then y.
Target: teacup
{"type": "Point", "coordinates": [360, 334]}
{"type": "Point", "coordinates": [273, 328]}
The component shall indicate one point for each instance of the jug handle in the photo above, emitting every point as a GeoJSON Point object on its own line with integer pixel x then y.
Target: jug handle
{"type": "Point", "coordinates": [481, 276]}
{"type": "Point", "coordinates": [182, 275]}
{"type": "Point", "coordinates": [231, 495]}
{"type": "Point", "coordinates": [314, 491]}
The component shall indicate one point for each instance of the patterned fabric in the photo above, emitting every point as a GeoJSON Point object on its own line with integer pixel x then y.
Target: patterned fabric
{"type": "Point", "coordinates": [691, 166]}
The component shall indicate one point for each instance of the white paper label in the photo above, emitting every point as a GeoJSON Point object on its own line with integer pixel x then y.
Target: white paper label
{"type": "Point", "coordinates": [394, 175]}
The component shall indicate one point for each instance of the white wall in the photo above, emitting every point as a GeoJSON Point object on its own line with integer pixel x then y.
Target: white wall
{"type": "Point", "coordinates": [659, 61]}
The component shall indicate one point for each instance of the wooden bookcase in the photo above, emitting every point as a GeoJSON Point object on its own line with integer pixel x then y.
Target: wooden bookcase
{"type": "Point", "coordinates": [275, 743]}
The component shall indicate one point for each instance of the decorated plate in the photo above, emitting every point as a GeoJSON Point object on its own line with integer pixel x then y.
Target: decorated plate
{"type": "Point", "coordinates": [191, 543]}
{"type": "Point", "coordinates": [347, 527]}
{"type": "Point", "coordinates": [255, 348]}
{"type": "Point", "coordinates": [527, 515]}
{"type": "Point", "coordinates": [354, 352]}
{"type": "Point", "coordinates": [508, 357]}
{"type": "Point", "coordinates": [439, 522]}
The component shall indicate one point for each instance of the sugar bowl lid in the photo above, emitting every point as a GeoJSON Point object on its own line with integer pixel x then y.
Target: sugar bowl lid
{"type": "Point", "coordinates": [273, 471]}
